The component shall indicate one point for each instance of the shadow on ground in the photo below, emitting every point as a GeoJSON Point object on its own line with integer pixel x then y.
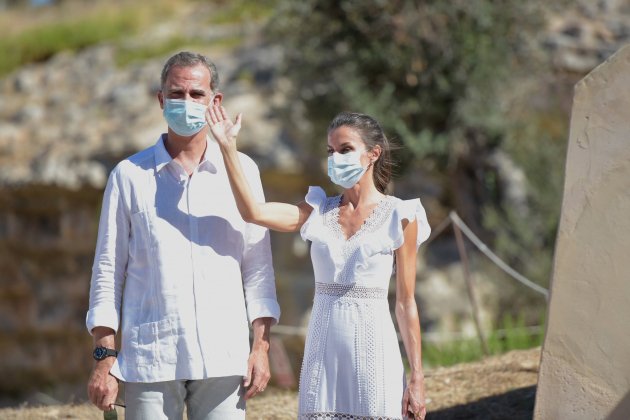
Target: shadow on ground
{"type": "Point", "coordinates": [517, 404]}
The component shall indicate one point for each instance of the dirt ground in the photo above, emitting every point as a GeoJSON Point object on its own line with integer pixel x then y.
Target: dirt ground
{"type": "Point", "coordinates": [499, 387]}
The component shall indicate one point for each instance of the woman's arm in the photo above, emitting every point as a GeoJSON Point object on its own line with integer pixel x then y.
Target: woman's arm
{"type": "Point", "coordinates": [282, 217]}
{"type": "Point", "coordinates": [409, 320]}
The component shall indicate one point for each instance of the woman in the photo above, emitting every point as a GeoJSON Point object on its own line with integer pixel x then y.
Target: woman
{"type": "Point", "coordinates": [352, 366]}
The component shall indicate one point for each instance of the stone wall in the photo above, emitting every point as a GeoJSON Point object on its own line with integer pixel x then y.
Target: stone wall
{"type": "Point", "coordinates": [47, 238]}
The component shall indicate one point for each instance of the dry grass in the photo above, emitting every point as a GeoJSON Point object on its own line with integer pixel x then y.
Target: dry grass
{"type": "Point", "coordinates": [499, 387]}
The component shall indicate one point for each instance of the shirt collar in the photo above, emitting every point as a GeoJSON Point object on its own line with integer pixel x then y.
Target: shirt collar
{"type": "Point", "coordinates": [208, 160]}
{"type": "Point", "coordinates": [162, 158]}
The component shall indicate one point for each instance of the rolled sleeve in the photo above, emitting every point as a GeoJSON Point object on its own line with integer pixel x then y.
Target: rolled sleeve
{"type": "Point", "coordinates": [263, 308]}
{"type": "Point", "coordinates": [257, 264]}
{"type": "Point", "coordinates": [111, 257]}
{"type": "Point", "coordinates": [102, 317]}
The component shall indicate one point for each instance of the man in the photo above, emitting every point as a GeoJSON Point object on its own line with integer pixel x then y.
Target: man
{"type": "Point", "coordinates": [179, 271]}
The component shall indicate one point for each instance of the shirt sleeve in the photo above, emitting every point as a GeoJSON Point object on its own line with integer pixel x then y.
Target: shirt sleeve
{"type": "Point", "coordinates": [257, 265]}
{"type": "Point", "coordinates": [110, 260]}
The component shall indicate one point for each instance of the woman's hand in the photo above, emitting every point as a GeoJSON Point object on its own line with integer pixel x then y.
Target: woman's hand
{"type": "Point", "coordinates": [413, 400]}
{"type": "Point", "coordinates": [222, 128]}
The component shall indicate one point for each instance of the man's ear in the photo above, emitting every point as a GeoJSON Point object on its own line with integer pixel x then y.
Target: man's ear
{"type": "Point", "coordinates": [218, 99]}
{"type": "Point", "coordinates": [160, 97]}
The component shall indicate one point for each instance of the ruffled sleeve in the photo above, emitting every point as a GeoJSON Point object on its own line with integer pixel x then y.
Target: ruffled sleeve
{"type": "Point", "coordinates": [315, 197]}
{"type": "Point", "coordinates": [410, 210]}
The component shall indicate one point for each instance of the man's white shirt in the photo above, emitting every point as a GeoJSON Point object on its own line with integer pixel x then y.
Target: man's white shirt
{"type": "Point", "coordinates": [173, 258]}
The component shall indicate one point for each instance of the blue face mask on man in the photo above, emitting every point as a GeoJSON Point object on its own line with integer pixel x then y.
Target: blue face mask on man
{"type": "Point", "coordinates": [345, 169]}
{"type": "Point", "coordinates": [186, 118]}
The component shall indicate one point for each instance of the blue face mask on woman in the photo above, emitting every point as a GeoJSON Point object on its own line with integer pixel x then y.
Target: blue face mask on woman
{"type": "Point", "coordinates": [345, 169]}
{"type": "Point", "coordinates": [186, 118]}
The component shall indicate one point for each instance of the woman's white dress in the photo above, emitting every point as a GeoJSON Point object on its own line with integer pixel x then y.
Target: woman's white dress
{"type": "Point", "coordinates": [352, 367]}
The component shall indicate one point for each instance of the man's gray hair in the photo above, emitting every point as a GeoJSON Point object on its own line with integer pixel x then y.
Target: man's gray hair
{"type": "Point", "coordinates": [189, 59]}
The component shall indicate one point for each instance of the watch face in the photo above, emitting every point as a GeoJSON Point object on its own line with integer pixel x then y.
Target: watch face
{"type": "Point", "coordinates": [100, 353]}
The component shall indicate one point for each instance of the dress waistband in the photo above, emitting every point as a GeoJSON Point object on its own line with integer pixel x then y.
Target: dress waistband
{"type": "Point", "coordinates": [350, 291]}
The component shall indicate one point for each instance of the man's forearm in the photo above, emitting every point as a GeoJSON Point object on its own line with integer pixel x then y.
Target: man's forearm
{"type": "Point", "coordinates": [261, 327]}
{"type": "Point", "coordinates": [102, 386]}
{"type": "Point", "coordinates": [103, 337]}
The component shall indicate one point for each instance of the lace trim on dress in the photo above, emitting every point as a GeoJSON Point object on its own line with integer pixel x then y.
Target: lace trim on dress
{"type": "Point", "coordinates": [373, 221]}
{"type": "Point", "coordinates": [341, 416]}
{"type": "Point", "coordinates": [351, 245]}
{"type": "Point", "coordinates": [350, 291]}
{"type": "Point", "coordinates": [331, 215]}
{"type": "Point", "coordinates": [315, 357]}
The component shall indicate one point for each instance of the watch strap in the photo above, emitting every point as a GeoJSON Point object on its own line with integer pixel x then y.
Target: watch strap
{"type": "Point", "coordinates": [101, 353]}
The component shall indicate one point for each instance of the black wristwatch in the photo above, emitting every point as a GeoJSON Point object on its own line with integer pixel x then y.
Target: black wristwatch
{"type": "Point", "coordinates": [101, 353]}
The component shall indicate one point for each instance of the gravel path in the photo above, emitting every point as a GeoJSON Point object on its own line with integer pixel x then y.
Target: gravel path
{"type": "Point", "coordinates": [499, 387]}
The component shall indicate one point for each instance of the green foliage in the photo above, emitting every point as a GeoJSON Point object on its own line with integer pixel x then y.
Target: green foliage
{"type": "Point", "coordinates": [116, 23]}
{"type": "Point", "coordinates": [238, 11]}
{"type": "Point", "coordinates": [41, 43]}
{"type": "Point", "coordinates": [451, 353]}
{"type": "Point", "coordinates": [81, 26]}
{"type": "Point", "coordinates": [513, 334]}
{"type": "Point", "coordinates": [425, 69]}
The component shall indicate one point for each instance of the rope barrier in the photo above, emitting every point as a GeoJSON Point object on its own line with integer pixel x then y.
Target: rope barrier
{"type": "Point", "coordinates": [438, 230]}
{"type": "Point", "coordinates": [495, 259]}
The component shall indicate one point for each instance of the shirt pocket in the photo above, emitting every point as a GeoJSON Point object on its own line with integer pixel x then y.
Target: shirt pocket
{"type": "Point", "coordinates": [142, 227]}
{"type": "Point", "coordinates": [157, 343]}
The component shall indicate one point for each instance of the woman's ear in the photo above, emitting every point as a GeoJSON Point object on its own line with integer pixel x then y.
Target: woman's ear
{"type": "Point", "coordinates": [375, 153]}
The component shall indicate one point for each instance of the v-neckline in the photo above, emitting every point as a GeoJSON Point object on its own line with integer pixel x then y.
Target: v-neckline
{"type": "Point", "coordinates": [347, 238]}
